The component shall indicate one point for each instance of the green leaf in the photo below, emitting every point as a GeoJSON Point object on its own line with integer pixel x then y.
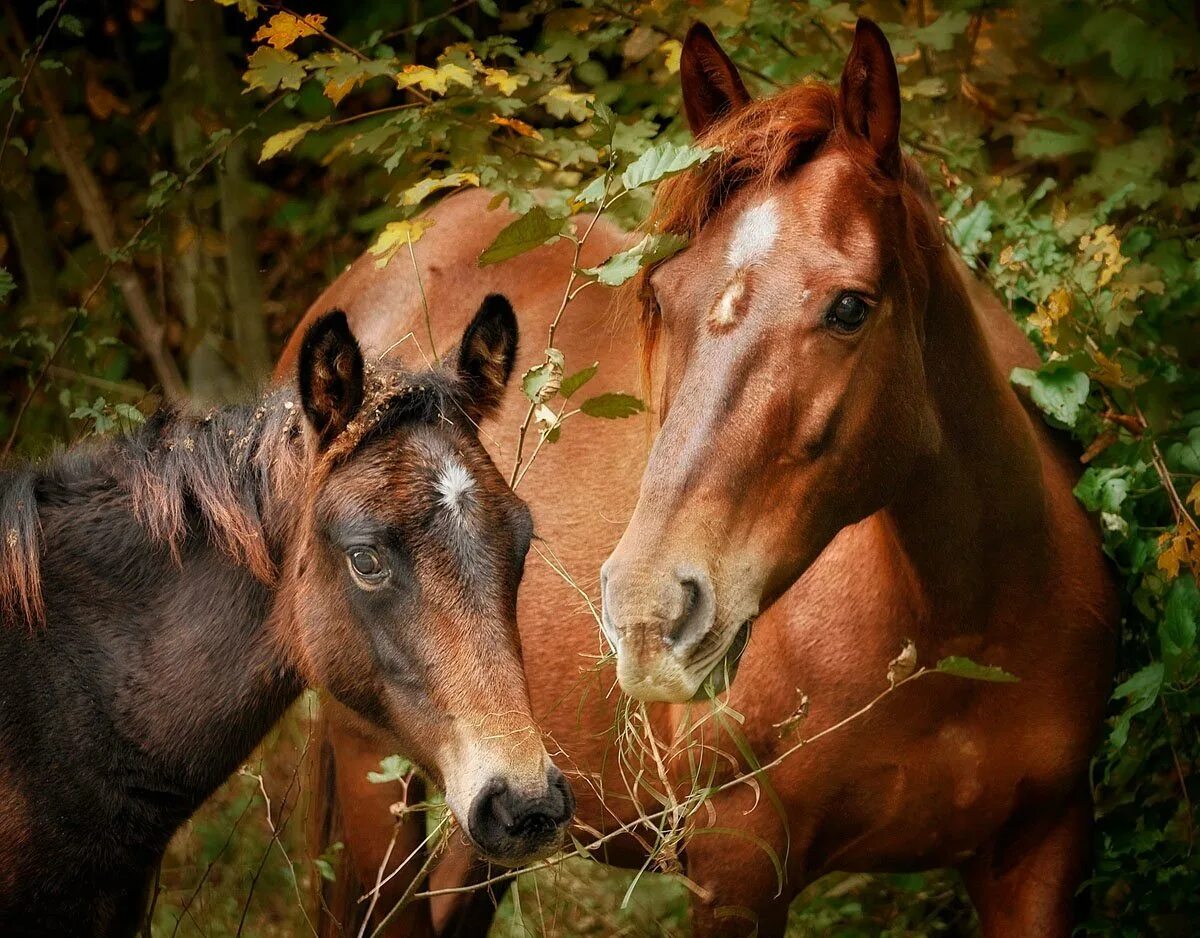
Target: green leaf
{"type": "Point", "coordinates": [973, 230]}
{"type": "Point", "coordinates": [1103, 489]}
{"type": "Point", "coordinates": [612, 406]}
{"type": "Point", "coordinates": [940, 34]}
{"type": "Point", "coordinates": [965, 667]}
{"type": "Point", "coordinates": [1142, 691]}
{"type": "Point", "coordinates": [1185, 456]}
{"type": "Point", "coordinates": [659, 162]}
{"type": "Point", "coordinates": [324, 863]}
{"type": "Point", "coordinates": [574, 382]}
{"type": "Point", "coordinates": [1177, 630]}
{"type": "Point", "coordinates": [624, 265]}
{"type": "Point", "coordinates": [531, 230]}
{"type": "Point", "coordinates": [593, 192]}
{"type": "Point", "coordinates": [71, 24]}
{"type": "Point", "coordinates": [392, 769]}
{"type": "Point", "coordinates": [1057, 389]}
{"type": "Point", "coordinates": [605, 122]}
{"type": "Point", "coordinates": [271, 69]}
{"type": "Point", "coordinates": [7, 284]}
{"type": "Point", "coordinates": [1043, 143]}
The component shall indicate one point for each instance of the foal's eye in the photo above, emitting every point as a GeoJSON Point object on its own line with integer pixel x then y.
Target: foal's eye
{"type": "Point", "coordinates": [366, 566]}
{"type": "Point", "coordinates": [848, 313]}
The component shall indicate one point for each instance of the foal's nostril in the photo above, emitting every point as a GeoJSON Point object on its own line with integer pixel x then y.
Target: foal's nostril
{"type": "Point", "coordinates": [508, 824]}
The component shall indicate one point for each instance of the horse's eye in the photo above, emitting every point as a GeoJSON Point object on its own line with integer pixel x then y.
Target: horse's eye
{"type": "Point", "coordinates": [366, 566]}
{"type": "Point", "coordinates": [848, 313]}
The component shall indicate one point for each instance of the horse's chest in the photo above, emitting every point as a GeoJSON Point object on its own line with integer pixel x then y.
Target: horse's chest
{"type": "Point", "coordinates": [932, 804]}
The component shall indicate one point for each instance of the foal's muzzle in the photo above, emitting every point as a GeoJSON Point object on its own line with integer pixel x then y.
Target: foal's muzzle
{"type": "Point", "coordinates": [514, 827]}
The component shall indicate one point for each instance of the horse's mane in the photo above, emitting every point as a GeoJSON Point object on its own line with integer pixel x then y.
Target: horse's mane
{"type": "Point", "coordinates": [220, 469]}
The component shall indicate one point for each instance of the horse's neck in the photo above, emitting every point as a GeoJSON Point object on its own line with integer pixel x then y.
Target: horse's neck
{"type": "Point", "coordinates": [181, 655]}
{"type": "Point", "coordinates": [972, 520]}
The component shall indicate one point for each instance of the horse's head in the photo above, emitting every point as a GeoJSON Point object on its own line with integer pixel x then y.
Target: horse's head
{"type": "Point", "coordinates": [404, 580]}
{"type": "Point", "coordinates": [794, 397]}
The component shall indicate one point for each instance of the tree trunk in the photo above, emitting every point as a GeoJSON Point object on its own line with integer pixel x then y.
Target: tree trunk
{"type": "Point", "coordinates": [224, 303]}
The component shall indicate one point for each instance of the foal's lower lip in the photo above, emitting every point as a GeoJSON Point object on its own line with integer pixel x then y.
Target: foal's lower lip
{"type": "Point", "coordinates": [721, 676]}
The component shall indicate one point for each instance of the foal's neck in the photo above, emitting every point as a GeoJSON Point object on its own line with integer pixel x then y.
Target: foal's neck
{"type": "Point", "coordinates": [168, 585]}
{"type": "Point", "coordinates": [972, 520]}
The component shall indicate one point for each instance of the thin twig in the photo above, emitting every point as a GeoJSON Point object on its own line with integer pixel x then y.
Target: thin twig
{"type": "Point", "coordinates": [33, 60]}
{"type": "Point", "coordinates": [424, 301]}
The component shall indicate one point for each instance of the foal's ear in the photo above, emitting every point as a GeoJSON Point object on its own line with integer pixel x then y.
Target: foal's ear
{"type": "Point", "coordinates": [712, 86]}
{"type": "Point", "coordinates": [331, 375]}
{"type": "Point", "coordinates": [486, 355]}
{"type": "Point", "coordinates": [871, 94]}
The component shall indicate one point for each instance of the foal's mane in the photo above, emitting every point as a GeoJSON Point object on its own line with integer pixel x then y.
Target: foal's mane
{"type": "Point", "coordinates": [220, 469]}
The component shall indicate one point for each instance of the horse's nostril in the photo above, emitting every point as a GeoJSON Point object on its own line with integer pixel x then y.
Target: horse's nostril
{"type": "Point", "coordinates": [691, 595]}
{"type": "Point", "coordinates": [696, 610]}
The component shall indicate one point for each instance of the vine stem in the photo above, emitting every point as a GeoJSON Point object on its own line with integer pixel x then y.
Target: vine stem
{"type": "Point", "coordinates": [628, 827]}
{"type": "Point", "coordinates": [568, 294]}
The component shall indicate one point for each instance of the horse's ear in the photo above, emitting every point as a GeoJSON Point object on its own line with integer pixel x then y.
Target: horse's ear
{"type": "Point", "coordinates": [487, 354]}
{"type": "Point", "coordinates": [331, 376]}
{"type": "Point", "coordinates": [711, 83]}
{"type": "Point", "coordinates": [871, 94]}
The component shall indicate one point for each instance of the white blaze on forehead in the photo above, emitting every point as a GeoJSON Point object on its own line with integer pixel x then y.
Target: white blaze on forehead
{"type": "Point", "coordinates": [454, 484]}
{"type": "Point", "coordinates": [754, 235]}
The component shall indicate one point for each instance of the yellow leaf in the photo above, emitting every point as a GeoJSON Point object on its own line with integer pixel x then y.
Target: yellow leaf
{"type": "Point", "coordinates": [397, 235]}
{"type": "Point", "coordinates": [286, 139]}
{"type": "Point", "coordinates": [284, 29]}
{"type": "Point", "coordinates": [1102, 247]}
{"type": "Point", "coordinates": [1178, 549]}
{"type": "Point", "coordinates": [1048, 314]}
{"type": "Point", "coordinates": [1193, 498]}
{"type": "Point", "coordinates": [672, 49]}
{"type": "Point", "coordinates": [414, 195]}
{"type": "Point", "coordinates": [336, 90]}
{"type": "Point", "coordinates": [562, 101]}
{"type": "Point", "coordinates": [437, 79]}
{"type": "Point", "coordinates": [1110, 372]}
{"type": "Point", "coordinates": [501, 79]}
{"type": "Point", "coordinates": [512, 123]}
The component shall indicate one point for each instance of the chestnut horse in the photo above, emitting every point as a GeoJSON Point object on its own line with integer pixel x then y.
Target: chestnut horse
{"type": "Point", "coordinates": [842, 462]}
{"type": "Point", "coordinates": [166, 596]}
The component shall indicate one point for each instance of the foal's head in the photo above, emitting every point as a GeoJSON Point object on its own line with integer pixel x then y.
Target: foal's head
{"type": "Point", "coordinates": [404, 576]}
{"type": "Point", "coordinates": [794, 400]}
